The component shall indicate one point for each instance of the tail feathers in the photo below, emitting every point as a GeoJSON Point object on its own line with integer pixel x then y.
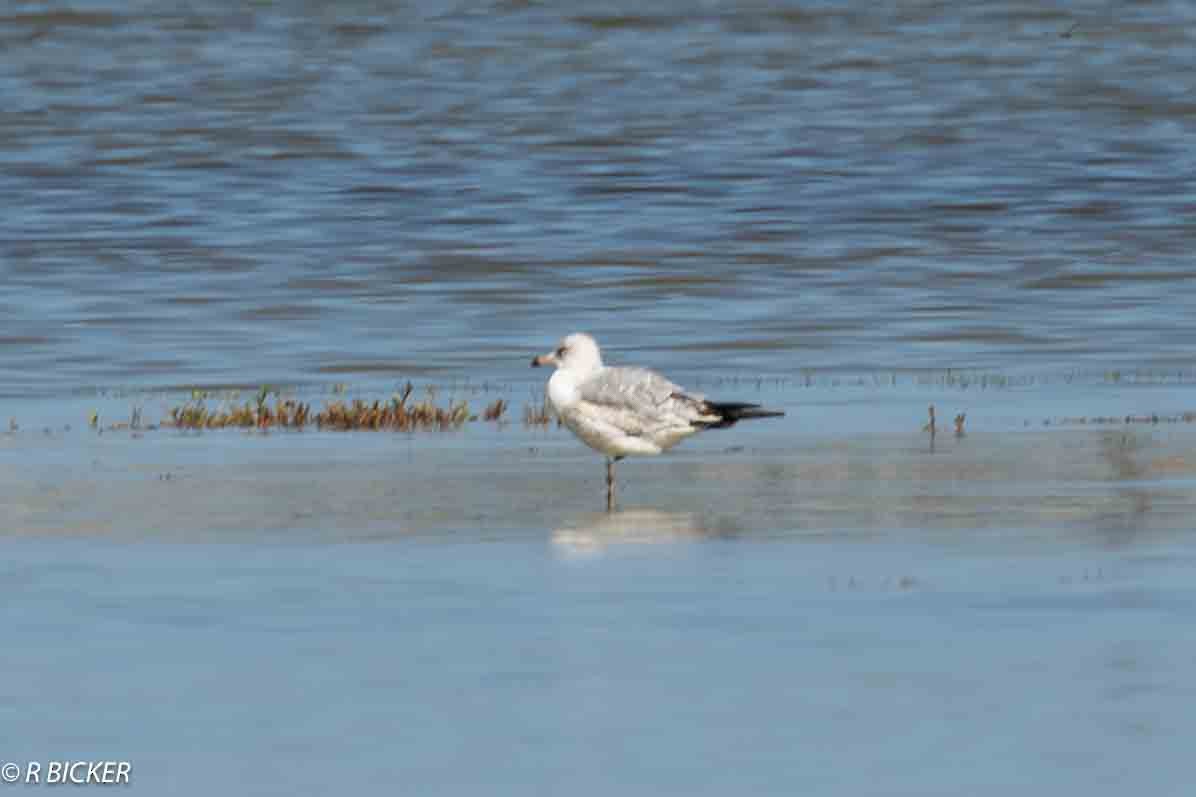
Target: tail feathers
{"type": "Point", "coordinates": [730, 412]}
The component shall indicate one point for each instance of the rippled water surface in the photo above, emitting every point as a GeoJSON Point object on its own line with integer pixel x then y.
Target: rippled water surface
{"type": "Point", "coordinates": [227, 192]}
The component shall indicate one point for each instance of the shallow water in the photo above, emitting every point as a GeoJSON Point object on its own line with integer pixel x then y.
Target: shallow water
{"type": "Point", "coordinates": [793, 605]}
{"type": "Point", "coordinates": [707, 667]}
{"type": "Point", "coordinates": [817, 472]}
{"type": "Point", "coordinates": [848, 213]}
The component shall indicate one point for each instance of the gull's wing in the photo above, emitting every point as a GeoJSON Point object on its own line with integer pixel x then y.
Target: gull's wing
{"type": "Point", "coordinates": [639, 402]}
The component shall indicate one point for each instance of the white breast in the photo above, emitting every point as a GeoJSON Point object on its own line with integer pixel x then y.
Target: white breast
{"type": "Point", "coordinates": [562, 391]}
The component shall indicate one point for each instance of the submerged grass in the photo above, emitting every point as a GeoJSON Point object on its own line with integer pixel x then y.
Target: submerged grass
{"type": "Point", "coordinates": [1127, 420]}
{"type": "Point", "coordinates": [394, 415]}
{"type": "Point", "coordinates": [495, 411]}
{"type": "Point", "coordinates": [269, 410]}
{"type": "Point", "coordinates": [537, 413]}
{"type": "Point", "coordinates": [399, 414]}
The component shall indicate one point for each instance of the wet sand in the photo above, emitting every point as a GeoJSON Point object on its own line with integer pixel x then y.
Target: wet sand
{"type": "Point", "coordinates": [831, 467]}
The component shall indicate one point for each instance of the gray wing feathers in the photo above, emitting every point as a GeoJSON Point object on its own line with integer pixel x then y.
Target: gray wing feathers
{"type": "Point", "coordinates": [640, 401]}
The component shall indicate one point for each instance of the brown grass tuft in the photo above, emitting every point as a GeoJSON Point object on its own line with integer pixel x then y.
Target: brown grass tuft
{"type": "Point", "coordinates": [495, 411]}
{"type": "Point", "coordinates": [537, 413]}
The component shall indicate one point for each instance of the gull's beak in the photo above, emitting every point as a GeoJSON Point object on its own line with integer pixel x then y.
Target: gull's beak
{"type": "Point", "coordinates": [543, 359]}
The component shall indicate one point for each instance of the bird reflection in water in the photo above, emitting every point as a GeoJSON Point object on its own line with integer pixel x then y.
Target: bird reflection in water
{"type": "Point", "coordinates": [594, 533]}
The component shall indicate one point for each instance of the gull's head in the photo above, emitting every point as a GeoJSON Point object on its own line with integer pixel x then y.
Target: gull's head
{"type": "Point", "coordinates": [577, 353]}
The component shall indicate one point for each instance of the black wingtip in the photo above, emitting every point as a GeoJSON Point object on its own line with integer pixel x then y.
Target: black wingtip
{"type": "Point", "coordinates": [732, 412]}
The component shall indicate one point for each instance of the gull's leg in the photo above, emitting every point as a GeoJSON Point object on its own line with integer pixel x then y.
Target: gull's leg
{"type": "Point", "coordinates": [610, 485]}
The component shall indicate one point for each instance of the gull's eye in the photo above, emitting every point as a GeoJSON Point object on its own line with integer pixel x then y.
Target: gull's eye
{"type": "Point", "coordinates": [561, 351]}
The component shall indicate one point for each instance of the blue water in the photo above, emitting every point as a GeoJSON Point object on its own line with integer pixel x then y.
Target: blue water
{"type": "Point", "coordinates": [509, 668]}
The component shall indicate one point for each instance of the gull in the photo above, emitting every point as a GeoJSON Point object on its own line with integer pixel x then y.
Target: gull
{"type": "Point", "coordinates": [626, 411]}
